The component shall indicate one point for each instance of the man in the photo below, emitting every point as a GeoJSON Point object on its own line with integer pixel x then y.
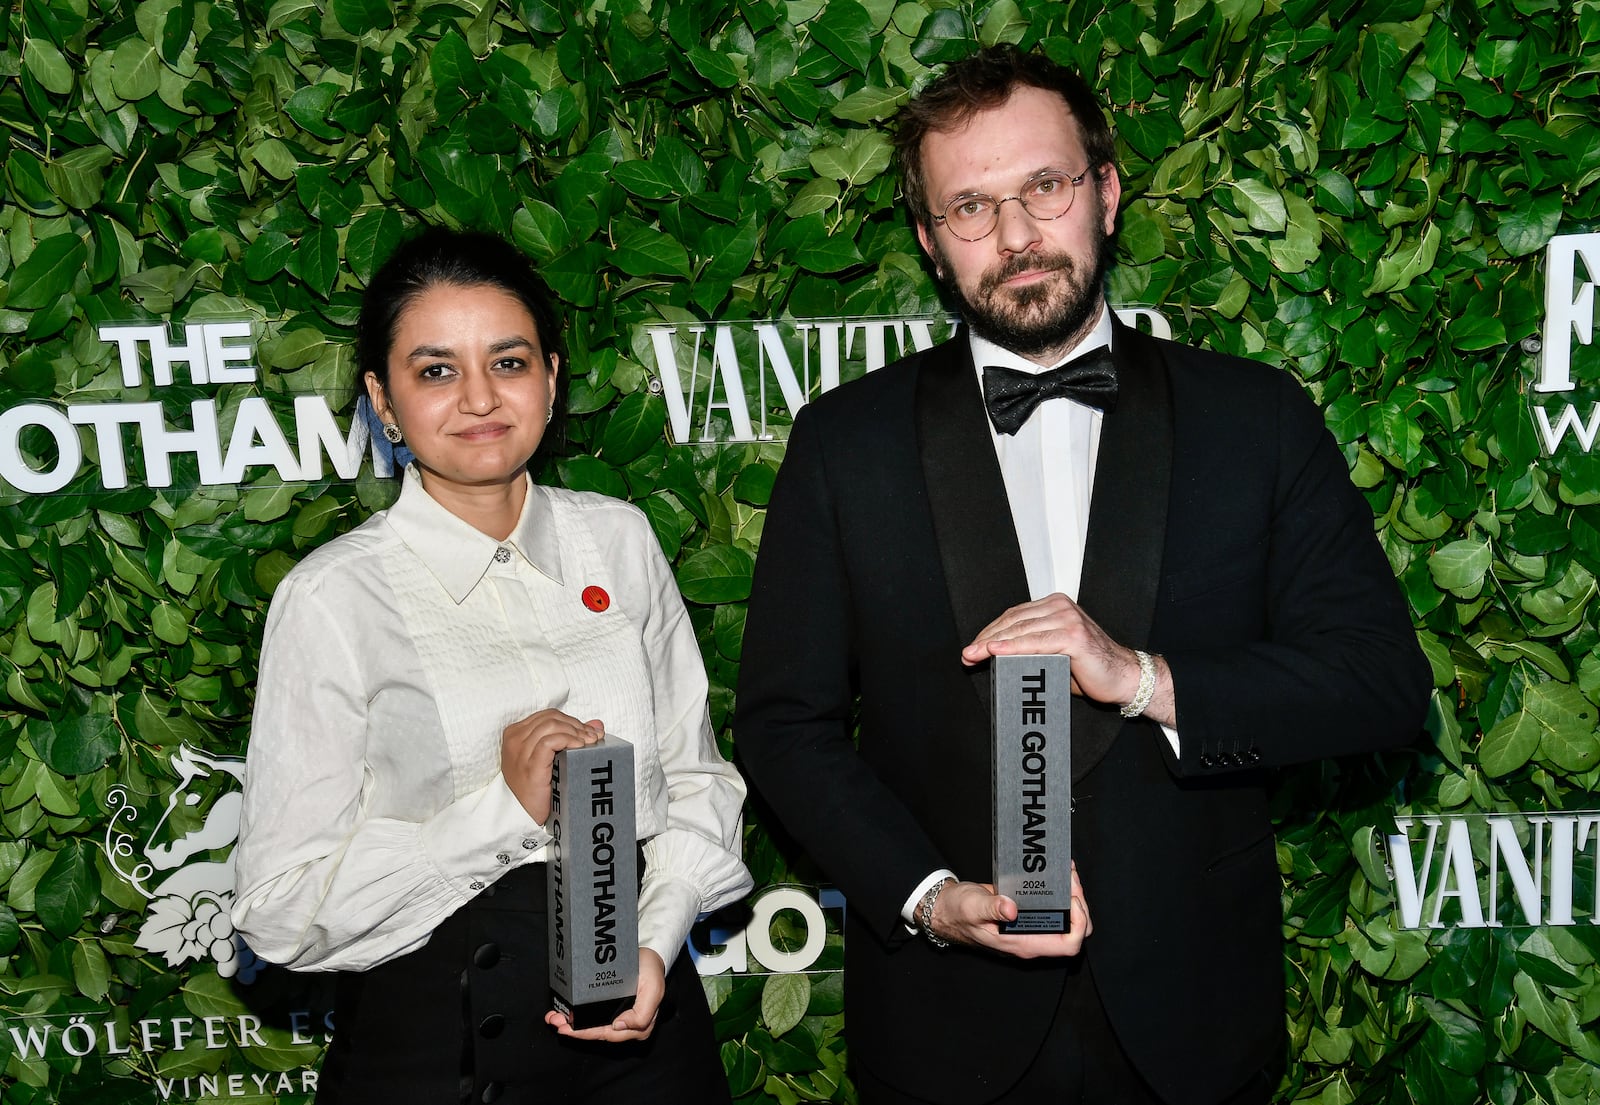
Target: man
{"type": "Point", "coordinates": [1182, 527]}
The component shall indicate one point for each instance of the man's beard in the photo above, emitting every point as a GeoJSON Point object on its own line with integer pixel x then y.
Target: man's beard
{"type": "Point", "coordinates": [1037, 318]}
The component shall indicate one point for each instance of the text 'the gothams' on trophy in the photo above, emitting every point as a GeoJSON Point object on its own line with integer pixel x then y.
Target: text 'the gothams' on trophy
{"type": "Point", "coordinates": [594, 883]}
{"type": "Point", "coordinates": [1033, 790]}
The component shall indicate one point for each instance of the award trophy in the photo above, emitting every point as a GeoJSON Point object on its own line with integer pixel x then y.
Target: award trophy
{"type": "Point", "coordinates": [1032, 772]}
{"type": "Point", "coordinates": [594, 883]}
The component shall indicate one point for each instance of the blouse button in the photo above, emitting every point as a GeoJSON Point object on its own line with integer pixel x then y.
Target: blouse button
{"type": "Point", "coordinates": [475, 885]}
{"type": "Point", "coordinates": [502, 555]}
{"type": "Point", "coordinates": [530, 844]}
{"type": "Point", "coordinates": [502, 858]}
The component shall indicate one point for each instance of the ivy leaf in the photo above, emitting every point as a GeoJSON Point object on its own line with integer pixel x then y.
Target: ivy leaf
{"type": "Point", "coordinates": [863, 156]}
{"type": "Point", "coordinates": [1527, 229]}
{"type": "Point", "coordinates": [267, 255]}
{"type": "Point", "coordinates": [716, 575]}
{"type": "Point", "coordinates": [637, 423]}
{"type": "Point", "coordinates": [743, 1067]}
{"type": "Point", "coordinates": [1460, 566]}
{"type": "Point", "coordinates": [943, 37]}
{"type": "Point", "coordinates": [360, 16]}
{"type": "Point", "coordinates": [66, 892]}
{"type": "Point", "coordinates": [48, 272]}
{"type": "Point", "coordinates": [784, 998]}
{"type": "Point", "coordinates": [540, 230]}
{"type": "Point", "coordinates": [1004, 22]}
{"type": "Point", "coordinates": [592, 474]}
{"type": "Point", "coordinates": [870, 104]}
{"type": "Point", "coordinates": [135, 69]}
{"type": "Point", "coordinates": [309, 107]}
{"type": "Point", "coordinates": [1567, 719]}
{"type": "Point", "coordinates": [647, 252]}
{"type": "Point", "coordinates": [1397, 269]}
{"type": "Point", "coordinates": [1473, 332]}
{"type": "Point", "coordinates": [91, 971]}
{"type": "Point", "coordinates": [714, 66]}
{"type": "Point", "coordinates": [47, 65]}
{"type": "Point", "coordinates": [1511, 743]}
{"type": "Point", "coordinates": [371, 238]}
{"type": "Point", "coordinates": [74, 744]}
{"type": "Point", "coordinates": [10, 931]}
{"type": "Point", "coordinates": [318, 259]}
{"type": "Point", "coordinates": [845, 30]}
{"type": "Point", "coordinates": [1263, 207]}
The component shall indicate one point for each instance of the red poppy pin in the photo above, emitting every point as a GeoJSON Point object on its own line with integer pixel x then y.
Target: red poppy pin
{"type": "Point", "coordinates": [595, 598]}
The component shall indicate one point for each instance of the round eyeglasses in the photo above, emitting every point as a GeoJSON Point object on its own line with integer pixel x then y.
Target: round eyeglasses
{"type": "Point", "coordinates": [974, 216]}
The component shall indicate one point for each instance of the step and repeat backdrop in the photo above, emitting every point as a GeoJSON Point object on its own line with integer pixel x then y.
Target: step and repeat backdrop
{"type": "Point", "coordinates": [1396, 201]}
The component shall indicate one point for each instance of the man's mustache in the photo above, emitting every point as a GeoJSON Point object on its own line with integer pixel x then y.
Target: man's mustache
{"type": "Point", "coordinates": [1018, 264]}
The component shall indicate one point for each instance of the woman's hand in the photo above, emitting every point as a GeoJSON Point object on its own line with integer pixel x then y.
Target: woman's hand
{"type": "Point", "coordinates": [528, 749]}
{"type": "Point", "coordinates": [633, 1024]}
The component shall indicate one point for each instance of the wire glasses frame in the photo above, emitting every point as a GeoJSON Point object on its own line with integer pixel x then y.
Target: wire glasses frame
{"type": "Point", "coordinates": [1048, 196]}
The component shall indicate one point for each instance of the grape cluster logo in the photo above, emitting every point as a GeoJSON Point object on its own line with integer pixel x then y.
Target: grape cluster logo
{"type": "Point", "coordinates": [190, 890]}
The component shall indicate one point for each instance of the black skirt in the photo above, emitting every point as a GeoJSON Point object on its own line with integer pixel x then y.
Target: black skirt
{"type": "Point", "coordinates": [461, 1020]}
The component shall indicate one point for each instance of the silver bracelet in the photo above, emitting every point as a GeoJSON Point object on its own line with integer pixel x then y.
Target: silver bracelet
{"type": "Point", "coordinates": [1147, 685]}
{"type": "Point", "coordinates": [925, 913]}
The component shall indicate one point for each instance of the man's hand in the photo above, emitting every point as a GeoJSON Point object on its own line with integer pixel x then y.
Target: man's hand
{"type": "Point", "coordinates": [633, 1024]}
{"type": "Point", "coordinates": [971, 912]}
{"type": "Point", "coordinates": [528, 750]}
{"type": "Point", "coordinates": [1102, 669]}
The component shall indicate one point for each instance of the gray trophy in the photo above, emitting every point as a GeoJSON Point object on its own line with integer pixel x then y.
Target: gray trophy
{"type": "Point", "coordinates": [593, 878]}
{"type": "Point", "coordinates": [1032, 698]}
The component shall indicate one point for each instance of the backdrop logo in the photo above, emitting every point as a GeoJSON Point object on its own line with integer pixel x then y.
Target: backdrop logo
{"type": "Point", "coordinates": [191, 893]}
{"type": "Point", "coordinates": [724, 381]}
{"type": "Point", "coordinates": [813, 916]}
{"type": "Point", "coordinates": [1495, 870]}
{"type": "Point", "coordinates": [214, 354]}
{"type": "Point", "coordinates": [1569, 313]}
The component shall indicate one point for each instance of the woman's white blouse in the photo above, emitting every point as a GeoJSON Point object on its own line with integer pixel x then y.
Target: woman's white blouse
{"type": "Point", "coordinates": [393, 659]}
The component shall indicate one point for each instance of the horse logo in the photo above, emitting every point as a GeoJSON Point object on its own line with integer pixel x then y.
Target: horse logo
{"type": "Point", "coordinates": [190, 893]}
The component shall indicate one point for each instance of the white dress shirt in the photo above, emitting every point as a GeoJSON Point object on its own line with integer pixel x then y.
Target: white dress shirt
{"type": "Point", "coordinates": [1048, 467]}
{"type": "Point", "coordinates": [393, 659]}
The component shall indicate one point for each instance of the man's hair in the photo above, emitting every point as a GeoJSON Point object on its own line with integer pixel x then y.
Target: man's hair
{"type": "Point", "coordinates": [981, 82]}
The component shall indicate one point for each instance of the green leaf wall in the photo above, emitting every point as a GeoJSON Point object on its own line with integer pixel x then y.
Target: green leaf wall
{"type": "Point", "coordinates": [1359, 192]}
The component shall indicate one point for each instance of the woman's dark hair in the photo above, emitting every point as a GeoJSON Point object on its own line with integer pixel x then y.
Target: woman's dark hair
{"type": "Point", "coordinates": [977, 83]}
{"type": "Point", "coordinates": [461, 259]}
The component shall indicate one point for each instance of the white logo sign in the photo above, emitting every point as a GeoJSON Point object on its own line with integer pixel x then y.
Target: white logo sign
{"type": "Point", "coordinates": [1569, 312]}
{"type": "Point", "coordinates": [732, 949]}
{"type": "Point", "coordinates": [190, 894]}
{"type": "Point", "coordinates": [1489, 871]}
{"type": "Point", "coordinates": [721, 380]}
{"type": "Point", "coordinates": [214, 356]}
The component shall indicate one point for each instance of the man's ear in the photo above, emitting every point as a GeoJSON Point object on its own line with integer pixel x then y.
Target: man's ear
{"type": "Point", "coordinates": [927, 247]}
{"type": "Point", "coordinates": [1110, 184]}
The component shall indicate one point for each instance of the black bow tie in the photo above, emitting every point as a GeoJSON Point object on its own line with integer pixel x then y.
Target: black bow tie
{"type": "Point", "coordinates": [1011, 395]}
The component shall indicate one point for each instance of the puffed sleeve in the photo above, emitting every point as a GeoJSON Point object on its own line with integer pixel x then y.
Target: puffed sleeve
{"type": "Point", "coordinates": [324, 882]}
{"type": "Point", "coordinates": [693, 866]}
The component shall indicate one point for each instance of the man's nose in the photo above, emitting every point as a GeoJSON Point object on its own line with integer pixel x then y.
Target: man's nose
{"type": "Point", "coordinates": [1017, 230]}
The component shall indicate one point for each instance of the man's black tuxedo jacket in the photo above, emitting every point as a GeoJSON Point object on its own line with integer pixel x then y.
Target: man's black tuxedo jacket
{"type": "Point", "coordinates": [1224, 534]}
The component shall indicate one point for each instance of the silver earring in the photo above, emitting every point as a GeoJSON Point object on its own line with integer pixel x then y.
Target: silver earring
{"type": "Point", "coordinates": [391, 431]}
{"type": "Point", "coordinates": [549, 413]}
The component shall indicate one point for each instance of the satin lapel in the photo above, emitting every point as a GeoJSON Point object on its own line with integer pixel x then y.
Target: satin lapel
{"type": "Point", "coordinates": [983, 567]}
{"type": "Point", "coordinates": [1127, 524]}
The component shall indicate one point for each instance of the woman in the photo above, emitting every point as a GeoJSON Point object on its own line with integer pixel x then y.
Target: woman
{"type": "Point", "coordinates": [418, 676]}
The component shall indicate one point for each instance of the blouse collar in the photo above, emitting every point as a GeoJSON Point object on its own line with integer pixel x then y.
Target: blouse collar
{"type": "Point", "coordinates": [459, 555]}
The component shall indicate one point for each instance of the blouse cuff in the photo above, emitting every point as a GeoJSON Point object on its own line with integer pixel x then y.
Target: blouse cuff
{"type": "Point", "coordinates": [667, 910]}
{"type": "Point", "coordinates": [480, 836]}
{"type": "Point", "coordinates": [685, 876]}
